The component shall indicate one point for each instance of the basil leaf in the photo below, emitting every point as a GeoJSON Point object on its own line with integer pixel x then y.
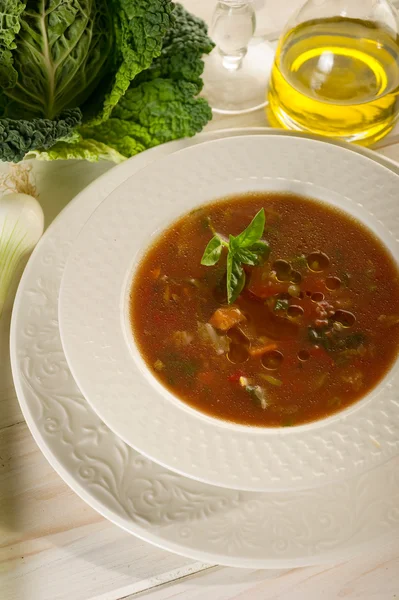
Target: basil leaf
{"type": "Point", "coordinates": [212, 252]}
{"type": "Point", "coordinates": [244, 249]}
{"type": "Point", "coordinates": [233, 243]}
{"type": "Point", "coordinates": [247, 257]}
{"type": "Point", "coordinates": [281, 304]}
{"type": "Point", "coordinates": [261, 248]}
{"type": "Point", "coordinates": [253, 232]}
{"type": "Point", "coordinates": [350, 342]}
{"type": "Point", "coordinates": [318, 337]}
{"type": "Point", "coordinates": [235, 278]}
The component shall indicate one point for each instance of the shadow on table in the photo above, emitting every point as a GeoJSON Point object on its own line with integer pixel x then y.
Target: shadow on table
{"type": "Point", "coordinates": [60, 181]}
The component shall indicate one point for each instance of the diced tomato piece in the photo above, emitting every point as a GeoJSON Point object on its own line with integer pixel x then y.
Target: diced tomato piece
{"type": "Point", "coordinates": [262, 349]}
{"type": "Point", "coordinates": [317, 351]}
{"type": "Point", "coordinates": [262, 285]}
{"type": "Point", "coordinates": [235, 377]}
{"type": "Point", "coordinates": [226, 317]}
{"type": "Point", "coordinates": [320, 353]}
{"type": "Point", "coordinates": [269, 288]}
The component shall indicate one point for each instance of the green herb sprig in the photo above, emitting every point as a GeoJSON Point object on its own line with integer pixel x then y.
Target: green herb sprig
{"type": "Point", "coordinates": [247, 248]}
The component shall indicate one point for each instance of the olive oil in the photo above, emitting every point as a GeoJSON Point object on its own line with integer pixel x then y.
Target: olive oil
{"type": "Point", "coordinates": [337, 77]}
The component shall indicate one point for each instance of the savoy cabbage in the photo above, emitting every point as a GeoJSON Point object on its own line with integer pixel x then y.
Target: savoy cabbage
{"type": "Point", "coordinates": [98, 78]}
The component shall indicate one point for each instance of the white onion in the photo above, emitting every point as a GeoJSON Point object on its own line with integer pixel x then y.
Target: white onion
{"type": "Point", "coordinates": [21, 226]}
{"type": "Point", "coordinates": [221, 343]}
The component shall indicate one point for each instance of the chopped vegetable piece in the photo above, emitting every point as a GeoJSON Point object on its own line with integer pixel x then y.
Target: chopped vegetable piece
{"type": "Point", "coordinates": [346, 279]}
{"type": "Point", "coordinates": [264, 287]}
{"type": "Point", "coordinates": [261, 350]}
{"type": "Point", "coordinates": [294, 290]}
{"type": "Point", "coordinates": [281, 304]}
{"type": "Point", "coordinates": [272, 380]}
{"type": "Point", "coordinates": [221, 343]}
{"type": "Point", "coordinates": [352, 341]}
{"type": "Point", "coordinates": [244, 381]}
{"type": "Point", "coordinates": [182, 338]}
{"type": "Point", "coordinates": [257, 393]}
{"type": "Point", "coordinates": [166, 294]}
{"type": "Point", "coordinates": [319, 338]}
{"type": "Point", "coordinates": [299, 261]}
{"type": "Point", "coordinates": [334, 341]}
{"type": "Point", "coordinates": [159, 365]}
{"type": "Point", "coordinates": [235, 377]}
{"type": "Point", "coordinates": [179, 366]}
{"type": "Point", "coordinates": [194, 282]}
{"type": "Point", "coordinates": [389, 320]}
{"type": "Point", "coordinates": [226, 317]}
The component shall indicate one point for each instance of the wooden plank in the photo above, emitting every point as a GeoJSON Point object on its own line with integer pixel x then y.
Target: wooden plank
{"type": "Point", "coordinates": [53, 546]}
{"type": "Point", "coordinates": [369, 577]}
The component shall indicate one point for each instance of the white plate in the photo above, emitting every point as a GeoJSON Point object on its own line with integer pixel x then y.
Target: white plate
{"type": "Point", "coordinates": [98, 342]}
{"type": "Point", "coordinates": [266, 530]}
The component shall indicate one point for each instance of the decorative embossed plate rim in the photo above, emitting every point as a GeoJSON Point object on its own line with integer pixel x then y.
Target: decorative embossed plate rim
{"type": "Point", "coordinates": [256, 530]}
{"type": "Point", "coordinates": [117, 383]}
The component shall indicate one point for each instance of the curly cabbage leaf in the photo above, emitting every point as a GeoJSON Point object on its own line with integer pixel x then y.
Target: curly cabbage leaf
{"type": "Point", "coordinates": [140, 31]}
{"type": "Point", "coordinates": [156, 112]}
{"type": "Point", "coordinates": [18, 137]}
{"type": "Point", "coordinates": [128, 70]}
{"type": "Point", "coordinates": [66, 51]}
{"type": "Point", "coordinates": [89, 150]}
{"type": "Point", "coordinates": [62, 51]}
{"type": "Point", "coordinates": [161, 104]}
{"type": "Point", "coordinates": [184, 44]}
{"type": "Point", "coordinates": [10, 11]}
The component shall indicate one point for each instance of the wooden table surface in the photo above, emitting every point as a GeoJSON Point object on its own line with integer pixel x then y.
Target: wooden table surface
{"type": "Point", "coordinates": [55, 547]}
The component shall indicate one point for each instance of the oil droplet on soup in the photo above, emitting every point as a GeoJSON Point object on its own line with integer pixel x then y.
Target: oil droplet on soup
{"type": "Point", "coordinates": [313, 328]}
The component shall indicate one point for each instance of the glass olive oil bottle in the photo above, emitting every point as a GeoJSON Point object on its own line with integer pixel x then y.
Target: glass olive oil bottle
{"type": "Point", "coordinates": [336, 76]}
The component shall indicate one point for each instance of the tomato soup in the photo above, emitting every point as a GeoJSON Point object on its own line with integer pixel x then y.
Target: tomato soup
{"type": "Point", "coordinates": [267, 309]}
